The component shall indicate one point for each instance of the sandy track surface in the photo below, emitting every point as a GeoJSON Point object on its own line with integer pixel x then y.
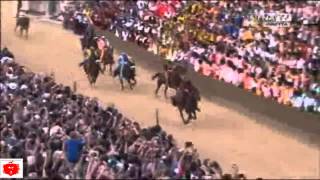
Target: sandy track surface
{"type": "Point", "coordinates": [219, 133]}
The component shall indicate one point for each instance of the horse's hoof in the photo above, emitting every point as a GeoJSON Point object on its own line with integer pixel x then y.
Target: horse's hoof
{"type": "Point", "coordinates": [186, 123]}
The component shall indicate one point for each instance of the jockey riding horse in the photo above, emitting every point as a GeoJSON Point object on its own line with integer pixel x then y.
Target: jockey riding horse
{"type": "Point", "coordinates": [125, 70]}
{"type": "Point", "coordinates": [105, 53]}
{"type": "Point", "coordinates": [90, 64]}
{"type": "Point", "coordinates": [186, 99]}
{"type": "Point", "coordinates": [23, 23]}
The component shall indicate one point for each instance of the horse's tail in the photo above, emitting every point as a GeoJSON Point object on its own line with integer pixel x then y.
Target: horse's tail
{"type": "Point", "coordinates": [156, 75]}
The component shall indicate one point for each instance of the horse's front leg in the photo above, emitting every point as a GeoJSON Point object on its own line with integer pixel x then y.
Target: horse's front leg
{"type": "Point", "coordinates": [110, 69]}
{"type": "Point", "coordinates": [121, 83]}
{"type": "Point", "coordinates": [194, 115]}
{"type": "Point", "coordinates": [165, 91]}
{"type": "Point", "coordinates": [190, 116]}
{"type": "Point", "coordinates": [130, 84]}
{"type": "Point", "coordinates": [134, 81]}
{"type": "Point", "coordinates": [90, 80]}
{"type": "Point", "coordinates": [102, 68]}
{"type": "Point", "coordinates": [21, 31]}
{"type": "Point", "coordinates": [159, 84]}
{"type": "Point", "coordinates": [27, 33]}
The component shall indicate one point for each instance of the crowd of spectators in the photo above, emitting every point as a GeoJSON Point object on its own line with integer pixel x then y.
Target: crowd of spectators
{"type": "Point", "coordinates": [224, 40]}
{"type": "Point", "coordinates": [61, 134]}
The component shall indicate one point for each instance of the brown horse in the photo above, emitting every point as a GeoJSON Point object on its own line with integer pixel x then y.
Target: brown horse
{"type": "Point", "coordinates": [186, 100]}
{"type": "Point", "coordinates": [24, 24]}
{"type": "Point", "coordinates": [92, 70]}
{"type": "Point", "coordinates": [106, 57]}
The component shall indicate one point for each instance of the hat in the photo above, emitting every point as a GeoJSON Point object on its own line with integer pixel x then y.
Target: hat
{"type": "Point", "coordinates": [12, 86]}
{"type": "Point", "coordinates": [23, 86]}
{"type": "Point", "coordinates": [37, 116]}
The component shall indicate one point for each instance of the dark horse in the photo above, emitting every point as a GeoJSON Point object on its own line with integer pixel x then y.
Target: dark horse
{"type": "Point", "coordinates": [92, 69]}
{"type": "Point", "coordinates": [128, 73]}
{"type": "Point", "coordinates": [23, 23]}
{"type": "Point", "coordinates": [186, 100]}
{"type": "Point", "coordinates": [107, 58]}
{"type": "Point", "coordinates": [172, 80]}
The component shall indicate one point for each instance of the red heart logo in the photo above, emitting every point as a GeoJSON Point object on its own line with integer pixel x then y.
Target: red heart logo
{"type": "Point", "coordinates": [11, 168]}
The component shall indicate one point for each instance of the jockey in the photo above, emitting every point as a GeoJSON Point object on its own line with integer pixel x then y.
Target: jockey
{"type": "Point", "coordinates": [89, 55]}
{"type": "Point", "coordinates": [101, 42]}
{"type": "Point", "coordinates": [122, 61]}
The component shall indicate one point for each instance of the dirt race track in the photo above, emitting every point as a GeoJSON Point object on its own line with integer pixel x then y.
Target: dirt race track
{"type": "Point", "coordinates": [219, 133]}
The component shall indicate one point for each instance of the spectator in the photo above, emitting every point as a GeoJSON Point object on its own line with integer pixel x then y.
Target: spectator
{"type": "Point", "coordinates": [73, 148]}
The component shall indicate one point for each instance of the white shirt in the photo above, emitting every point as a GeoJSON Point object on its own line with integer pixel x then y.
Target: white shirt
{"type": "Point", "coordinates": [129, 23]}
{"type": "Point", "coordinates": [300, 63]}
{"type": "Point", "coordinates": [5, 59]}
{"type": "Point", "coordinates": [273, 42]}
{"type": "Point", "coordinates": [12, 86]}
{"type": "Point", "coordinates": [309, 102]}
{"type": "Point", "coordinates": [147, 29]}
{"type": "Point", "coordinates": [141, 4]}
{"type": "Point", "coordinates": [55, 129]}
{"type": "Point", "coordinates": [257, 36]}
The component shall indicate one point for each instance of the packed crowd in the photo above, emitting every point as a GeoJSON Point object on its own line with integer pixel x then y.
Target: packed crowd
{"type": "Point", "coordinates": [222, 39]}
{"type": "Point", "coordinates": [62, 135]}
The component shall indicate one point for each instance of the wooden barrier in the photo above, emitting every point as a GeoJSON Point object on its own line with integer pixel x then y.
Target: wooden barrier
{"type": "Point", "coordinates": [74, 86]}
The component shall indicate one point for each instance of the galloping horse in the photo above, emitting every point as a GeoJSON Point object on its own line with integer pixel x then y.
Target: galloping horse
{"type": "Point", "coordinates": [127, 73]}
{"type": "Point", "coordinates": [107, 59]}
{"type": "Point", "coordinates": [24, 24]}
{"type": "Point", "coordinates": [92, 69]}
{"type": "Point", "coordinates": [186, 100]}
